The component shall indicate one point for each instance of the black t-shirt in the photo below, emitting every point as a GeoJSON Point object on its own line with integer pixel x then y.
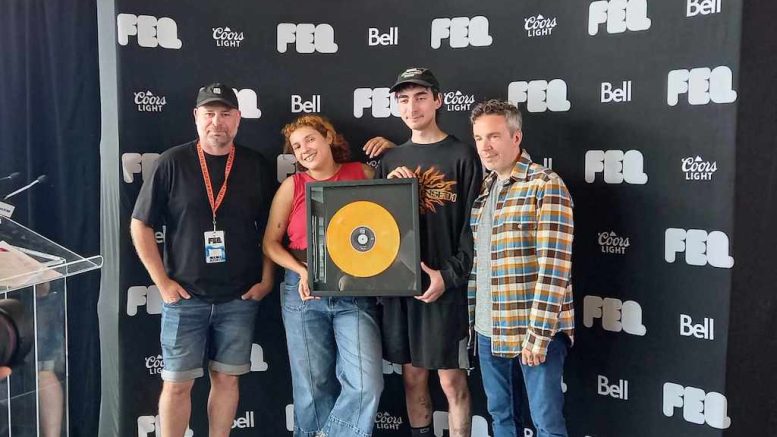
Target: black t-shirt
{"type": "Point", "coordinates": [175, 196]}
{"type": "Point", "coordinates": [449, 176]}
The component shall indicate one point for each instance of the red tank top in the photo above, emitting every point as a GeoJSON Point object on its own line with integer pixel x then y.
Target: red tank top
{"type": "Point", "coordinates": [297, 229]}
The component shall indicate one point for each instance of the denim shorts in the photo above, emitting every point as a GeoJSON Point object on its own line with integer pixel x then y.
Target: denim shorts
{"type": "Point", "coordinates": [192, 327]}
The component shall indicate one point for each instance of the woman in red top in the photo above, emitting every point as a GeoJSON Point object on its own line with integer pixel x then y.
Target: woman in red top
{"type": "Point", "coordinates": [333, 342]}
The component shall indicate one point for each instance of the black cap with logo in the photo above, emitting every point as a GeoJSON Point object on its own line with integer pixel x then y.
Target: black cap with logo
{"type": "Point", "coordinates": [217, 93]}
{"type": "Point", "coordinates": [418, 76]}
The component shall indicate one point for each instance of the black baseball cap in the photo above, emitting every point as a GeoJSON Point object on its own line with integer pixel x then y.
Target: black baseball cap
{"type": "Point", "coordinates": [217, 92]}
{"type": "Point", "coordinates": [419, 76]}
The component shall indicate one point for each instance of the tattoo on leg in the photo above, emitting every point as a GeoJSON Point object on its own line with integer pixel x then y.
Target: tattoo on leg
{"type": "Point", "coordinates": [426, 404]}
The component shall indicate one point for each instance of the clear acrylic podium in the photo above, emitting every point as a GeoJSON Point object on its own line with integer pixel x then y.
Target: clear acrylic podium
{"type": "Point", "coordinates": [35, 271]}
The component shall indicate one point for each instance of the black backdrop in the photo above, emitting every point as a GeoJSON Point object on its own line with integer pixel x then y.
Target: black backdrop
{"type": "Point", "coordinates": [651, 169]}
{"type": "Point", "coordinates": [50, 124]}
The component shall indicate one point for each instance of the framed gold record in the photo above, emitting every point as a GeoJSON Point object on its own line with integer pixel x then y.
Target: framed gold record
{"type": "Point", "coordinates": [363, 238]}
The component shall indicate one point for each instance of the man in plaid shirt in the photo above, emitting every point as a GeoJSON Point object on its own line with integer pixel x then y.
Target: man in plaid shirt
{"type": "Point", "coordinates": [520, 294]}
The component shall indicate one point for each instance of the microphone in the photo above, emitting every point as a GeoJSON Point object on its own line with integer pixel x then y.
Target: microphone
{"type": "Point", "coordinates": [41, 179]}
{"type": "Point", "coordinates": [13, 175]}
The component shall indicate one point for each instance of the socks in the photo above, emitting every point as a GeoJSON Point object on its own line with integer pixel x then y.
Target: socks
{"type": "Point", "coordinates": [424, 431]}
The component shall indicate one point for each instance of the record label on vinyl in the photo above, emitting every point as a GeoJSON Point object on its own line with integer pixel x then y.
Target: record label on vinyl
{"type": "Point", "coordinates": [362, 239]}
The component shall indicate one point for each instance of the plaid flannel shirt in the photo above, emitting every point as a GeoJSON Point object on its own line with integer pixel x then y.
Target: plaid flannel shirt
{"type": "Point", "coordinates": [531, 259]}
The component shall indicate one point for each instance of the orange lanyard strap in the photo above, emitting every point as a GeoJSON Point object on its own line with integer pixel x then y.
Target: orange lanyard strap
{"type": "Point", "coordinates": [215, 203]}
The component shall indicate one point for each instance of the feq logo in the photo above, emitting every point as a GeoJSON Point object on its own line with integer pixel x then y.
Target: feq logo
{"type": "Point", "coordinates": [289, 417]}
{"type": "Point", "coordinates": [138, 296]}
{"type": "Point", "coordinates": [616, 315]}
{"type": "Point", "coordinates": [150, 31]}
{"type": "Point", "coordinates": [701, 248]}
{"type": "Point", "coordinates": [384, 420]}
{"type": "Point", "coordinates": [540, 95]}
{"type": "Point", "coordinates": [391, 368]}
{"type": "Point", "coordinates": [616, 166]}
{"type": "Point", "coordinates": [702, 7]}
{"type": "Point", "coordinates": [226, 37]}
{"type": "Point", "coordinates": [306, 37]}
{"type": "Point", "coordinates": [703, 85]}
{"type": "Point", "coordinates": [257, 359]}
{"type": "Point", "coordinates": [148, 102]}
{"type": "Point", "coordinates": [248, 103]}
{"type": "Point", "coordinates": [461, 32]}
{"type": "Point", "coordinates": [151, 424]}
{"type": "Point", "coordinates": [155, 364]}
{"type": "Point", "coordinates": [618, 15]}
{"type": "Point", "coordinates": [378, 100]}
{"type": "Point", "coordinates": [136, 163]}
{"type": "Point", "coordinates": [440, 424]}
{"type": "Point", "coordinates": [697, 169]}
{"type": "Point", "coordinates": [698, 407]}
{"type": "Point", "coordinates": [539, 25]}
{"type": "Point", "coordinates": [286, 166]}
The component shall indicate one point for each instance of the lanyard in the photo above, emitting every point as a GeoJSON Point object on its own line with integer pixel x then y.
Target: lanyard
{"type": "Point", "coordinates": [215, 204]}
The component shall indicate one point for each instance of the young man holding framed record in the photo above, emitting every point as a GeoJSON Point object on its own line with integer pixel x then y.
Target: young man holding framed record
{"type": "Point", "coordinates": [429, 332]}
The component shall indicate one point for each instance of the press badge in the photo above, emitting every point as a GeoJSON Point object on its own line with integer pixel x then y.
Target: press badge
{"type": "Point", "coordinates": [215, 250]}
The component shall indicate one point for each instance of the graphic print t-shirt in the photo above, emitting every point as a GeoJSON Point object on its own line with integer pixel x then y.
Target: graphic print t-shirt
{"type": "Point", "coordinates": [449, 176]}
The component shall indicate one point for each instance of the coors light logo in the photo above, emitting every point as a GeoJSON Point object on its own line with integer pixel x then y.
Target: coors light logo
{"type": "Point", "coordinates": [226, 37]}
{"type": "Point", "coordinates": [539, 25]}
{"type": "Point", "coordinates": [148, 102]}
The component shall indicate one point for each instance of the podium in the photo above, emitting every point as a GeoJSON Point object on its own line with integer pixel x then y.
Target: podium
{"type": "Point", "coordinates": [35, 272]}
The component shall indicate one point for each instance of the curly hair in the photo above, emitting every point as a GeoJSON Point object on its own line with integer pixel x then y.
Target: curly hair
{"type": "Point", "coordinates": [340, 150]}
{"type": "Point", "coordinates": [499, 107]}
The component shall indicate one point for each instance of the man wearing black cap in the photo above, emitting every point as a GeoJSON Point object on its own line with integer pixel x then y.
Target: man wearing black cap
{"type": "Point", "coordinates": [212, 195]}
{"type": "Point", "coordinates": [430, 331]}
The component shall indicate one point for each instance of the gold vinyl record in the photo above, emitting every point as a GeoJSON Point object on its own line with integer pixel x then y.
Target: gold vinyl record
{"type": "Point", "coordinates": [362, 239]}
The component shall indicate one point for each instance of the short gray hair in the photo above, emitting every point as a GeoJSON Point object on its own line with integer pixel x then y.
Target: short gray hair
{"type": "Point", "coordinates": [504, 108]}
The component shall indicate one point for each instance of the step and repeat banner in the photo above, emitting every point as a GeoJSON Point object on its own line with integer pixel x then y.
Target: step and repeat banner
{"type": "Point", "coordinates": [632, 102]}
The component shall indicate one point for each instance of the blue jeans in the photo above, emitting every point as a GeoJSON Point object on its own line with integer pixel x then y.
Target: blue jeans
{"type": "Point", "coordinates": [189, 326]}
{"type": "Point", "coordinates": [502, 378]}
{"type": "Point", "coordinates": [336, 362]}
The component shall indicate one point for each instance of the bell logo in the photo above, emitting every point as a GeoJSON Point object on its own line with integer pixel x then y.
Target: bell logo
{"type": "Point", "coordinates": [440, 424]}
{"type": "Point", "coordinates": [611, 93]}
{"type": "Point", "coordinates": [245, 421]}
{"type": "Point", "coordinates": [307, 106]}
{"type": "Point", "coordinates": [617, 391]}
{"type": "Point", "coordinates": [617, 167]}
{"type": "Point", "coordinates": [378, 100]}
{"type": "Point", "coordinates": [149, 296]}
{"type": "Point", "coordinates": [704, 331]}
{"type": "Point", "coordinates": [375, 38]}
{"type": "Point", "coordinates": [698, 407]}
{"type": "Point", "coordinates": [461, 32]}
{"type": "Point", "coordinates": [703, 85]}
{"type": "Point", "coordinates": [307, 38]}
{"type": "Point", "coordinates": [618, 15]}
{"type": "Point", "coordinates": [285, 165]}
{"type": "Point", "coordinates": [150, 31]}
{"type": "Point", "coordinates": [257, 359]}
{"type": "Point", "coordinates": [702, 7]}
{"type": "Point", "coordinates": [540, 95]}
{"type": "Point", "coordinates": [151, 426]}
{"type": "Point", "coordinates": [701, 248]}
{"type": "Point", "coordinates": [616, 316]}
{"type": "Point", "coordinates": [135, 163]}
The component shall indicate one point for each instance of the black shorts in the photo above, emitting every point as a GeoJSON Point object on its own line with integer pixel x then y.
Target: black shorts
{"type": "Point", "coordinates": [427, 335]}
